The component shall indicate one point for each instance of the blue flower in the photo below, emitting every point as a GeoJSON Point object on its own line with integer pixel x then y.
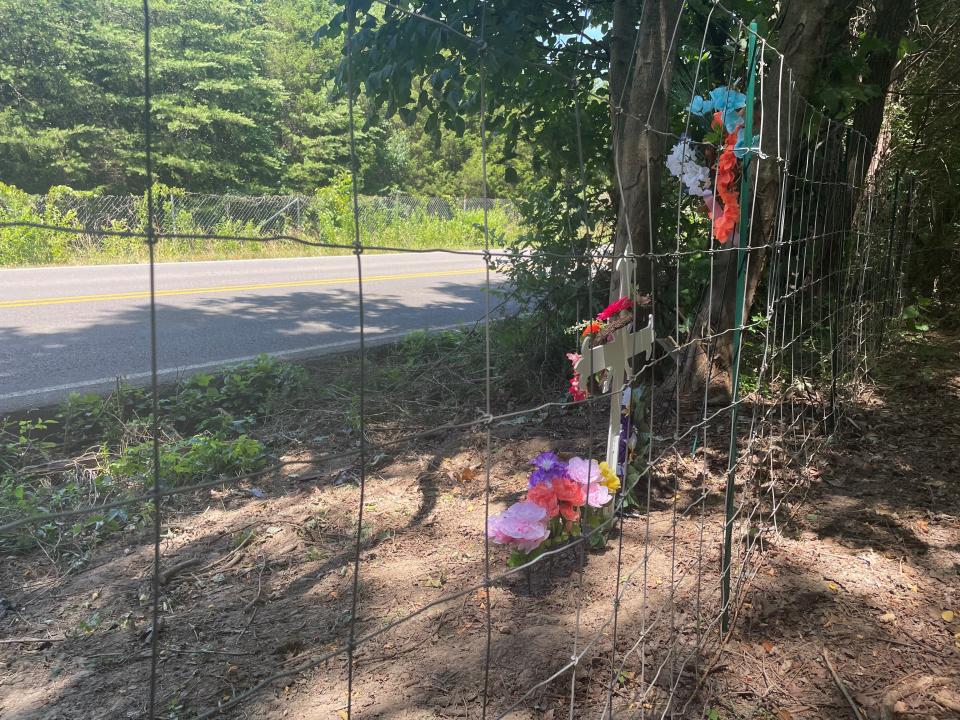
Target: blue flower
{"type": "Point", "coordinates": [725, 99]}
{"type": "Point", "coordinates": [699, 106]}
{"type": "Point", "coordinates": [740, 149]}
{"type": "Point", "coordinates": [731, 120]}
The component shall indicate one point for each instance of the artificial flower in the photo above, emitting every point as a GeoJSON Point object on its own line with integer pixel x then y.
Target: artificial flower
{"type": "Point", "coordinates": [592, 328]}
{"type": "Point", "coordinates": [725, 222]}
{"type": "Point", "coordinates": [549, 466]}
{"type": "Point", "coordinates": [544, 495]}
{"type": "Point", "coordinates": [682, 164]}
{"type": "Point", "coordinates": [740, 149]}
{"type": "Point", "coordinates": [576, 393]}
{"type": "Point", "coordinates": [586, 473]}
{"type": "Point", "coordinates": [523, 524]}
{"type": "Point", "coordinates": [699, 106]}
{"type": "Point", "coordinates": [721, 99]}
{"type": "Point", "coordinates": [570, 496]}
{"type": "Point", "coordinates": [724, 97]}
{"type": "Point", "coordinates": [615, 308]}
{"type": "Point", "coordinates": [610, 478]}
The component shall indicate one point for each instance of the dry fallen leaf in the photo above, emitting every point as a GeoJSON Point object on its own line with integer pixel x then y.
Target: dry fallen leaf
{"type": "Point", "coordinates": [947, 615]}
{"type": "Point", "coordinates": [768, 646]}
{"type": "Point", "coordinates": [342, 714]}
{"type": "Point", "coordinates": [833, 587]}
{"type": "Point", "coordinates": [784, 714]}
{"type": "Point", "coordinates": [888, 617]}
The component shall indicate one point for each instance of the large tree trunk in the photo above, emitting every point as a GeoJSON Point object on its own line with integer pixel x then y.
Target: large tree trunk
{"type": "Point", "coordinates": [890, 21]}
{"type": "Point", "coordinates": [641, 70]}
{"type": "Point", "coordinates": [806, 31]}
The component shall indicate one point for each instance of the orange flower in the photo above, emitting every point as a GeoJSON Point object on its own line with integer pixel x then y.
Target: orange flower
{"type": "Point", "coordinates": [545, 496]}
{"type": "Point", "coordinates": [724, 224]}
{"type": "Point", "coordinates": [570, 496]}
{"type": "Point", "coordinates": [592, 328]}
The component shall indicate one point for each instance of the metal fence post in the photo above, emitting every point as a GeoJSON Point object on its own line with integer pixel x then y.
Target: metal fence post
{"type": "Point", "coordinates": [743, 253]}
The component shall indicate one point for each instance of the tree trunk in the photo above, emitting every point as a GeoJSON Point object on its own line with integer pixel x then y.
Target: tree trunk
{"type": "Point", "coordinates": [889, 25]}
{"type": "Point", "coordinates": [806, 30]}
{"type": "Point", "coordinates": [641, 70]}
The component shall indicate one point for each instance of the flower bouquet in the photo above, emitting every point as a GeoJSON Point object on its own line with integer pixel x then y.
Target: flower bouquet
{"type": "Point", "coordinates": [564, 500]}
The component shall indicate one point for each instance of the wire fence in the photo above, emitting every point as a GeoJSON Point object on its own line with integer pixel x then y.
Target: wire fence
{"type": "Point", "coordinates": [178, 212]}
{"type": "Point", "coordinates": [767, 322]}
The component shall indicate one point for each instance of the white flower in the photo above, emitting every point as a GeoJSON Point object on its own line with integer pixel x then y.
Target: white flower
{"type": "Point", "coordinates": [682, 164]}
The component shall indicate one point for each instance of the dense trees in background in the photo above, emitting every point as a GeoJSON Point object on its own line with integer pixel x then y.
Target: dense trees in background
{"type": "Point", "coordinates": [241, 99]}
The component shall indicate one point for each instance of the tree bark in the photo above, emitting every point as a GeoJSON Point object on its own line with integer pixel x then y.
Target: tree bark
{"type": "Point", "coordinates": [641, 70]}
{"type": "Point", "coordinates": [890, 21]}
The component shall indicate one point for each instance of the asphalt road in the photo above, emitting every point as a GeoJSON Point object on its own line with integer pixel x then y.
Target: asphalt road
{"type": "Point", "coordinates": [76, 329]}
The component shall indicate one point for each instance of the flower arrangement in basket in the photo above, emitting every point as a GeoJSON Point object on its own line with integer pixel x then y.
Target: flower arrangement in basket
{"type": "Point", "coordinates": [716, 157]}
{"type": "Point", "coordinates": [565, 498]}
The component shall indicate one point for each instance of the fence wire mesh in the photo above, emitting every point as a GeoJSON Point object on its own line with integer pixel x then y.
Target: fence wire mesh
{"type": "Point", "coordinates": [325, 216]}
{"type": "Point", "coordinates": [728, 413]}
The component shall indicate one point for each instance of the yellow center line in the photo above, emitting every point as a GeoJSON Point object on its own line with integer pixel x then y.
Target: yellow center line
{"type": "Point", "coordinates": [68, 300]}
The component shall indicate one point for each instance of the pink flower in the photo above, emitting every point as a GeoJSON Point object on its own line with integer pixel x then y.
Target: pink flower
{"type": "Point", "coordinates": [587, 472]}
{"type": "Point", "coordinates": [523, 524]}
{"type": "Point", "coordinates": [615, 308]}
{"type": "Point", "coordinates": [575, 392]}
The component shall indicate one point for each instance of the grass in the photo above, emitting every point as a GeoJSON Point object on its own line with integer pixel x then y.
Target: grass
{"type": "Point", "coordinates": [327, 218]}
{"type": "Point", "coordinates": [94, 450]}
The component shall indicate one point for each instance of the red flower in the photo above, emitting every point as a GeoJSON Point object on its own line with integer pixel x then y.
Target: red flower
{"type": "Point", "coordinates": [570, 496]}
{"type": "Point", "coordinates": [545, 496]}
{"type": "Point", "coordinates": [615, 308]}
{"type": "Point", "coordinates": [575, 392]}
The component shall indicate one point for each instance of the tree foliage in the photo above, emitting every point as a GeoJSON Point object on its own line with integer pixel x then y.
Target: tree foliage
{"type": "Point", "coordinates": [241, 102]}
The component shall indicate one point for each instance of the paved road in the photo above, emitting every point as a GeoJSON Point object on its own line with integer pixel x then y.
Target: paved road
{"type": "Point", "coordinates": [76, 329]}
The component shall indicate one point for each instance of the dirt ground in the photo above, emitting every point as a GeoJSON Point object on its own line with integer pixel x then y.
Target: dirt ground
{"type": "Point", "coordinates": [849, 601]}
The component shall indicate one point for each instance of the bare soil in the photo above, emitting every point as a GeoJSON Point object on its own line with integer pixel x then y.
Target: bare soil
{"type": "Point", "coordinates": [857, 569]}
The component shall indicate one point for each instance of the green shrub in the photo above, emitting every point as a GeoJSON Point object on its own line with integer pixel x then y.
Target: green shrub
{"type": "Point", "coordinates": [192, 460]}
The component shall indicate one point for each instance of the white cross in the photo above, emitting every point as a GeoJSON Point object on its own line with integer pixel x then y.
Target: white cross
{"type": "Point", "coordinates": [616, 356]}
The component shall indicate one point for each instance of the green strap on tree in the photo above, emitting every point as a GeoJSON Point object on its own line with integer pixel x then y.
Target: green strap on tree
{"type": "Point", "coordinates": [742, 256]}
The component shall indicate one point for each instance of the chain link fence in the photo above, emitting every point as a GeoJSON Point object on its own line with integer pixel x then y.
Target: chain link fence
{"type": "Point", "coordinates": [179, 212]}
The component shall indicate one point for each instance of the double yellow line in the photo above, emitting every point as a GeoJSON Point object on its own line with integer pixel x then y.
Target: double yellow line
{"type": "Point", "coordinates": [72, 299]}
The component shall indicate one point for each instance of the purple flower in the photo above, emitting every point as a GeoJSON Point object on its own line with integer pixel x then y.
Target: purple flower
{"type": "Point", "coordinates": [523, 524]}
{"type": "Point", "coordinates": [548, 466]}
